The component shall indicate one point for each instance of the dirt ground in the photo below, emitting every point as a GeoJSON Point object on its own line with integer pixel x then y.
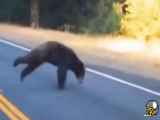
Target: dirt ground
{"type": "Point", "coordinates": [125, 54]}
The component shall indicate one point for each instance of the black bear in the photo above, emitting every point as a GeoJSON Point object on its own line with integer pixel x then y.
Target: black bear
{"type": "Point", "coordinates": [57, 54]}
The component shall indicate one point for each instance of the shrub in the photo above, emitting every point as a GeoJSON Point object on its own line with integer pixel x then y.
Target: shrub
{"type": "Point", "coordinates": [143, 19]}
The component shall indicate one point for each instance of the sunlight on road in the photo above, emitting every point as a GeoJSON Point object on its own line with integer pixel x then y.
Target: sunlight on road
{"type": "Point", "coordinates": [126, 46]}
{"type": "Point", "coordinates": [149, 49]}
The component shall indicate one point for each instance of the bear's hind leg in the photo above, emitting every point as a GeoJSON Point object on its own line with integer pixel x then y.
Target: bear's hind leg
{"type": "Point", "coordinates": [19, 60]}
{"type": "Point", "coordinates": [28, 70]}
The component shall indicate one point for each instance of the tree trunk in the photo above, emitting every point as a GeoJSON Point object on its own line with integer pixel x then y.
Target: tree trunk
{"type": "Point", "coordinates": [35, 13]}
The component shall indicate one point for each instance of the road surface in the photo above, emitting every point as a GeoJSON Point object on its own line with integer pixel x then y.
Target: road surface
{"type": "Point", "coordinates": [111, 95]}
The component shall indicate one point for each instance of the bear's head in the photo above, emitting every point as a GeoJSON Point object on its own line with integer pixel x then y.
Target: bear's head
{"type": "Point", "coordinates": [79, 69]}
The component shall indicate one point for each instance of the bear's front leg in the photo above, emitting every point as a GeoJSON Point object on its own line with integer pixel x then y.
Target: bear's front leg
{"type": "Point", "coordinates": [61, 74]}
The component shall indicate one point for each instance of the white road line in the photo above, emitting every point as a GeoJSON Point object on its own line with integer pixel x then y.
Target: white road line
{"type": "Point", "coordinates": [15, 45]}
{"type": "Point", "coordinates": [95, 72]}
{"type": "Point", "coordinates": [124, 82]}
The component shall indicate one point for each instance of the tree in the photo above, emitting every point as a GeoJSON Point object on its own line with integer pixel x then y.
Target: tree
{"type": "Point", "coordinates": [35, 13]}
{"type": "Point", "coordinates": [90, 16]}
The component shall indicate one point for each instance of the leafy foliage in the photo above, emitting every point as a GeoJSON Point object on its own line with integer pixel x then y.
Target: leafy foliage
{"type": "Point", "coordinates": [105, 18]}
{"type": "Point", "coordinates": [15, 11]}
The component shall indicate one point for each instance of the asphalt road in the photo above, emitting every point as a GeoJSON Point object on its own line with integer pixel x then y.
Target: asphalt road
{"type": "Point", "coordinates": [100, 97]}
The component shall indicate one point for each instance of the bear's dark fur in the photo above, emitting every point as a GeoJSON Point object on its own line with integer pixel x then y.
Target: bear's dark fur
{"type": "Point", "coordinates": [57, 54]}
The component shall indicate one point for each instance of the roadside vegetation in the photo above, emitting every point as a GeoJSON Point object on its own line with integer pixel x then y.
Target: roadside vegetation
{"type": "Point", "coordinates": [131, 18]}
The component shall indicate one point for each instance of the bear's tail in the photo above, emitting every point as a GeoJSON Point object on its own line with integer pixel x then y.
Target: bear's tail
{"type": "Point", "coordinates": [19, 60]}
